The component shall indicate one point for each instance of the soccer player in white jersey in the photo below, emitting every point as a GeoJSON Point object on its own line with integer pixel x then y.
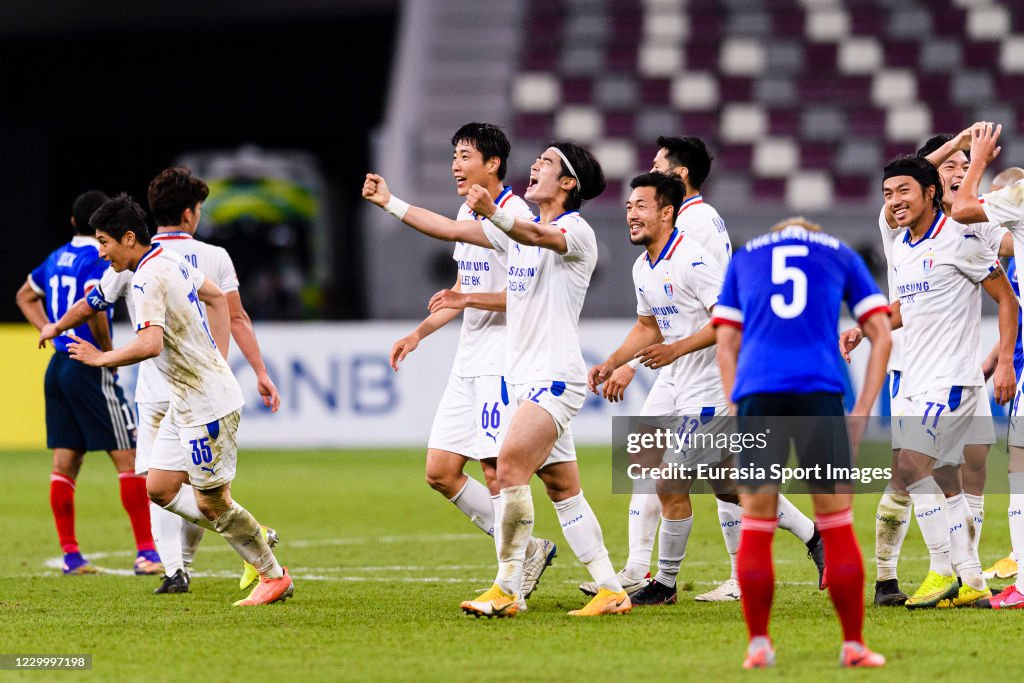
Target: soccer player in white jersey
{"type": "Point", "coordinates": [963, 486]}
{"type": "Point", "coordinates": [677, 283]}
{"type": "Point", "coordinates": [475, 409]}
{"type": "Point", "coordinates": [196, 441]}
{"type": "Point", "coordinates": [688, 159]}
{"type": "Point", "coordinates": [550, 261]}
{"type": "Point", "coordinates": [938, 264]}
{"type": "Point", "coordinates": [175, 197]}
{"type": "Point", "coordinates": [1005, 206]}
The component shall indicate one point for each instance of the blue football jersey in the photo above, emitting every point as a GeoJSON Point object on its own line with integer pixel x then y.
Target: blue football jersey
{"type": "Point", "coordinates": [66, 276]}
{"type": "Point", "coordinates": [785, 290]}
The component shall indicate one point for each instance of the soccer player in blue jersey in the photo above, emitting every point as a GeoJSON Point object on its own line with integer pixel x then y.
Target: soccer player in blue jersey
{"type": "Point", "coordinates": [776, 323]}
{"type": "Point", "coordinates": [85, 408]}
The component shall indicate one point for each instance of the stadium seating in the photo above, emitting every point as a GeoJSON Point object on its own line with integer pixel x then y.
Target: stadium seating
{"type": "Point", "coordinates": [801, 100]}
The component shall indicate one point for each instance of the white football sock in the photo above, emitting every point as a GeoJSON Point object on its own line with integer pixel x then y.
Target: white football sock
{"type": "Point", "coordinates": [1015, 513]}
{"type": "Point", "coordinates": [516, 529]}
{"type": "Point", "coordinates": [794, 521]}
{"type": "Point", "coordinates": [729, 517]}
{"type": "Point", "coordinates": [474, 500]}
{"type": "Point", "coordinates": [191, 535]}
{"type": "Point", "coordinates": [933, 518]}
{"type": "Point", "coordinates": [498, 505]}
{"type": "Point", "coordinates": [242, 532]}
{"type": "Point", "coordinates": [977, 505]}
{"type": "Point", "coordinates": [892, 520]}
{"type": "Point", "coordinates": [644, 513]}
{"type": "Point", "coordinates": [965, 563]}
{"type": "Point", "coordinates": [166, 528]}
{"type": "Point", "coordinates": [185, 505]}
{"type": "Point", "coordinates": [583, 532]}
{"type": "Point", "coordinates": [672, 548]}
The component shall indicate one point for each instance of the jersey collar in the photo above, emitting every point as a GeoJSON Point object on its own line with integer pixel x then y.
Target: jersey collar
{"type": "Point", "coordinates": [666, 251]}
{"type": "Point", "coordinates": [499, 201]}
{"type": "Point", "coordinates": [84, 241]}
{"type": "Point", "coordinates": [692, 201]}
{"type": "Point", "coordinates": [536, 219]}
{"type": "Point", "coordinates": [933, 230]}
{"type": "Point", "coordinates": [154, 250]}
{"type": "Point", "coordinates": [173, 235]}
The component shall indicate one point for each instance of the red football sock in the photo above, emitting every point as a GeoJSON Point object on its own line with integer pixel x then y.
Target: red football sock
{"type": "Point", "coordinates": [136, 504]}
{"type": "Point", "coordinates": [62, 502]}
{"type": "Point", "coordinates": [756, 572]}
{"type": "Point", "coordinates": [845, 571]}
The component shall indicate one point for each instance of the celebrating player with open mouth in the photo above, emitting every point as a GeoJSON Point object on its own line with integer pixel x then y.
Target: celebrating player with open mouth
{"type": "Point", "coordinates": [550, 261]}
{"type": "Point", "coordinates": [197, 439]}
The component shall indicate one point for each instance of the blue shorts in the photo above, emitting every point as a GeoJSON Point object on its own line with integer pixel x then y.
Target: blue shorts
{"type": "Point", "coordinates": [85, 408]}
{"type": "Point", "coordinates": [813, 424]}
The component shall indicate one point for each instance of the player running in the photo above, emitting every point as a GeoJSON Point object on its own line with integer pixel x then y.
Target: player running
{"type": "Point", "coordinates": [196, 442]}
{"type": "Point", "coordinates": [85, 408]}
{"type": "Point", "coordinates": [1006, 206]}
{"type": "Point", "coordinates": [175, 198]}
{"type": "Point", "coordinates": [776, 320]}
{"type": "Point", "coordinates": [550, 261]}
{"type": "Point", "coordinates": [474, 412]}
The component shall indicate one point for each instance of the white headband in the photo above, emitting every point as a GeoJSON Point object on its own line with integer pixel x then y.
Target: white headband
{"type": "Point", "coordinates": [572, 171]}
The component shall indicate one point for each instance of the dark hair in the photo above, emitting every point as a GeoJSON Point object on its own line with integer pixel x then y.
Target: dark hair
{"type": "Point", "coordinates": [921, 170]}
{"type": "Point", "coordinates": [589, 175]}
{"type": "Point", "coordinates": [172, 191]}
{"type": "Point", "coordinates": [489, 140]}
{"type": "Point", "coordinates": [120, 215]}
{"type": "Point", "coordinates": [83, 208]}
{"type": "Point", "coordinates": [690, 152]}
{"type": "Point", "coordinates": [668, 189]}
{"type": "Point", "coordinates": [933, 143]}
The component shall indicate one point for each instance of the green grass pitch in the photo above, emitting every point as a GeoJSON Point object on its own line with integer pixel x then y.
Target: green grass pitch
{"type": "Point", "coordinates": [381, 563]}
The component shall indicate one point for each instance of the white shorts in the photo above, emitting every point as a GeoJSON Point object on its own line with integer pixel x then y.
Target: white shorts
{"type": "Point", "coordinates": [209, 453]}
{"type": "Point", "coordinates": [937, 422]}
{"type": "Point", "coordinates": [562, 402]}
{"type": "Point", "coordinates": [699, 431]}
{"type": "Point", "coordinates": [150, 415]}
{"type": "Point", "coordinates": [897, 407]}
{"type": "Point", "coordinates": [472, 417]}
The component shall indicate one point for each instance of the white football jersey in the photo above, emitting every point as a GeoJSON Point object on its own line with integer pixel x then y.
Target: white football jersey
{"type": "Point", "coordinates": [481, 348]}
{"type": "Point", "coordinates": [213, 261]}
{"type": "Point", "coordinates": [1006, 208]}
{"type": "Point", "coordinates": [679, 290]}
{"type": "Point", "coordinates": [202, 387]}
{"type": "Point", "coordinates": [703, 224]}
{"type": "Point", "coordinates": [889, 237]}
{"type": "Point", "coordinates": [937, 279]}
{"type": "Point", "coordinates": [545, 296]}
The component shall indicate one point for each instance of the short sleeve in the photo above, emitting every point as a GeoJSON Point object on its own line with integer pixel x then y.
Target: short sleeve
{"type": "Point", "coordinates": [579, 237]}
{"type": "Point", "coordinates": [974, 258]}
{"type": "Point", "coordinates": [643, 306]}
{"type": "Point", "coordinates": [226, 277]}
{"type": "Point", "coordinates": [1005, 205]}
{"type": "Point", "coordinates": [37, 280]}
{"type": "Point", "coordinates": [728, 311]}
{"type": "Point", "coordinates": [150, 300]}
{"type": "Point", "coordinates": [704, 279]}
{"type": "Point", "coordinates": [111, 287]}
{"type": "Point", "coordinates": [860, 292]}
